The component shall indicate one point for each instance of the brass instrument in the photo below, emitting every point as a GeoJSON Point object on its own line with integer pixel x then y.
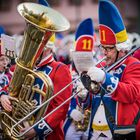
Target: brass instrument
{"type": "Point", "coordinates": [39, 107]}
{"type": "Point", "coordinates": [90, 85]}
{"type": "Point", "coordinates": [26, 67]}
{"type": "Point", "coordinates": [83, 124]}
{"type": "Point", "coordinates": [41, 23]}
{"type": "Point", "coordinates": [79, 125]}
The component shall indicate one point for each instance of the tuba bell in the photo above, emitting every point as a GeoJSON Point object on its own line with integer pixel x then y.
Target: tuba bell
{"type": "Point", "coordinates": [41, 23]}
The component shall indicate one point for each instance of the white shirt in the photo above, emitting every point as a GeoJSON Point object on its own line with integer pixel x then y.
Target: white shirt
{"type": "Point", "coordinates": [100, 119]}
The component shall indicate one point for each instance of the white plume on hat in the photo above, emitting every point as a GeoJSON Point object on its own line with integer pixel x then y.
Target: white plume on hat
{"type": "Point", "coordinates": [124, 46]}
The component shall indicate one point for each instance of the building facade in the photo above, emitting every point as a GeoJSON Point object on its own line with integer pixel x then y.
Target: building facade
{"type": "Point", "coordinates": [73, 10]}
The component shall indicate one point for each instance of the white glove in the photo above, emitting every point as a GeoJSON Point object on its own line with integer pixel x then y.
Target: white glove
{"type": "Point", "coordinates": [83, 91]}
{"type": "Point", "coordinates": [76, 115]}
{"type": "Point", "coordinates": [96, 74]}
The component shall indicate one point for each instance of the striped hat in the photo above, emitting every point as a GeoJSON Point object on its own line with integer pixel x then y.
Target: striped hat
{"type": "Point", "coordinates": [111, 27]}
{"type": "Point", "coordinates": [84, 38]}
{"type": "Point", "coordinates": [84, 44]}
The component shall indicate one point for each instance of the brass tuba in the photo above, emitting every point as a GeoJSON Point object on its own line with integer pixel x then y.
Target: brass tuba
{"type": "Point", "coordinates": [41, 23]}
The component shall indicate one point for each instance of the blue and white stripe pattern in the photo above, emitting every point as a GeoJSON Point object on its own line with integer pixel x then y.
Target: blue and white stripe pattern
{"type": "Point", "coordinates": [42, 129]}
{"type": "Point", "coordinates": [111, 80]}
{"type": "Point", "coordinates": [110, 83]}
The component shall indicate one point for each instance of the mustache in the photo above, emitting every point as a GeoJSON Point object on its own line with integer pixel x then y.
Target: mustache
{"type": "Point", "coordinates": [108, 58]}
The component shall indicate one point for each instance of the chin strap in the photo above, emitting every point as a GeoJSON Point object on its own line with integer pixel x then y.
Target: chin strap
{"type": "Point", "coordinates": [39, 59]}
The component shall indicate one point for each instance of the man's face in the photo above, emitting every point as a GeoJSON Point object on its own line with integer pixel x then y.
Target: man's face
{"type": "Point", "coordinates": [110, 52]}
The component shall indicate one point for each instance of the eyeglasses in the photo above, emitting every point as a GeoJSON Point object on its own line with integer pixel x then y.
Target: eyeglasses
{"type": "Point", "coordinates": [107, 49]}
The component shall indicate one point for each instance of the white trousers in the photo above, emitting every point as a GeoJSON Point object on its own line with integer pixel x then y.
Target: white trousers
{"type": "Point", "coordinates": [72, 134]}
{"type": "Point", "coordinates": [96, 136]}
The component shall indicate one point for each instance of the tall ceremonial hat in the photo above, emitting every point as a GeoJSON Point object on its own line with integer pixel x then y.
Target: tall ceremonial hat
{"type": "Point", "coordinates": [111, 27]}
{"type": "Point", "coordinates": [50, 44]}
{"type": "Point", "coordinates": [7, 44]}
{"type": "Point", "coordinates": [84, 37]}
{"type": "Point", "coordinates": [84, 44]}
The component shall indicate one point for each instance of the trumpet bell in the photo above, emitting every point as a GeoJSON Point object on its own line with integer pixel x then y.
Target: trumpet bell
{"type": "Point", "coordinates": [58, 20]}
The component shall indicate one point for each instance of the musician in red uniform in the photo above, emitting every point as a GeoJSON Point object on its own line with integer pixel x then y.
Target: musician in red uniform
{"type": "Point", "coordinates": [82, 57]}
{"type": "Point", "coordinates": [115, 107]}
{"type": "Point", "coordinates": [60, 75]}
{"type": "Point", "coordinates": [51, 127]}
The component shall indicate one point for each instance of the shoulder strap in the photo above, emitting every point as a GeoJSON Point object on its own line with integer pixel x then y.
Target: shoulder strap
{"type": "Point", "coordinates": [108, 114]}
{"type": "Point", "coordinates": [136, 119]}
{"type": "Point", "coordinates": [58, 67]}
{"type": "Point", "coordinates": [109, 117]}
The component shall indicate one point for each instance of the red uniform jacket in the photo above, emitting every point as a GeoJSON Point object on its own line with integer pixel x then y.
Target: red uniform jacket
{"type": "Point", "coordinates": [127, 94]}
{"type": "Point", "coordinates": [60, 76]}
{"type": "Point", "coordinates": [52, 127]}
